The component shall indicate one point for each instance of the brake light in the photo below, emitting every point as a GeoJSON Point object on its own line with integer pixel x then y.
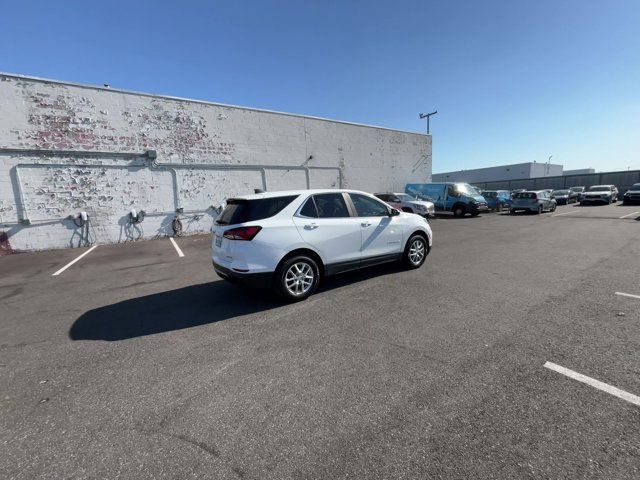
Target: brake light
{"type": "Point", "coordinates": [241, 233]}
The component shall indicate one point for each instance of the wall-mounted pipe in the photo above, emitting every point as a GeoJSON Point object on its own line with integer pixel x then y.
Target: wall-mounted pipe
{"type": "Point", "coordinates": [150, 161]}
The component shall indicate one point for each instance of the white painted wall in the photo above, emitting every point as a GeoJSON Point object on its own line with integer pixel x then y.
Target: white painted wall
{"type": "Point", "coordinates": [40, 114]}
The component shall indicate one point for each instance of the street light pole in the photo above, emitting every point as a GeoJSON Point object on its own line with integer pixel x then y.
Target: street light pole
{"type": "Point", "coordinates": [427, 116]}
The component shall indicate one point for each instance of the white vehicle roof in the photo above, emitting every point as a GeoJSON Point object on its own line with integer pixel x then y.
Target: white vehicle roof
{"type": "Point", "coordinates": [284, 193]}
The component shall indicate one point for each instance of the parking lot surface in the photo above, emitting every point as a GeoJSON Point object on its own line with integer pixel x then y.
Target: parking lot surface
{"type": "Point", "coordinates": [136, 362]}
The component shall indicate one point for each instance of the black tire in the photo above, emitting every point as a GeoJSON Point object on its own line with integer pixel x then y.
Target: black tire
{"type": "Point", "coordinates": [540, 210]}
{"type": "Point", "coordinates": [459, 210]}
{"type": "Point", "coordinates": [553, 208]}
{"type": "Point", "coordinates": [475, 214]}
{"type": "Point", "coordinates": [284, 281]}
{"type": "Point", "coordinates": [512, 211]}
{"type": "Point", "coordinates": [409, 257]}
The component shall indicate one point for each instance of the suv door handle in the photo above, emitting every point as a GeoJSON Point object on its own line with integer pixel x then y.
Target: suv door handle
{"type": "Point", "coordinates": [311, 226]}
{"type": "Point", "coordinates": [366, 224]}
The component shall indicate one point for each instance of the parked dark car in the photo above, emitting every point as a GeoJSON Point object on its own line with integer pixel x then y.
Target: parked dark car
{"type": "Point", "coordinates": [564, 197]}
{"type": "Point", "coordinates": [600, 194]}
{"type": "Point", "coordinates": [533, 201]}
{"type": "Point", "coordinates": [579, 191]}
{"type": "Point", "coordinates": [632, 195]}
{"type": "Point", "coordinates": [497, 199]}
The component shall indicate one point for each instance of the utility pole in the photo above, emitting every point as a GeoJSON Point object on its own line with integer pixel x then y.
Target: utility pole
{"type": "Point", "coordinates": [427, 116]}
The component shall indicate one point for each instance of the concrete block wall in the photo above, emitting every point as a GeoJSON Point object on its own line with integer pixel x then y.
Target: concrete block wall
{"type": "Point", "coordinates": [66, 148]}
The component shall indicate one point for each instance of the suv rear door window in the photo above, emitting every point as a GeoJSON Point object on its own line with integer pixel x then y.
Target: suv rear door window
{"type": "Point", "coordinates": [368, 207]}
{"type": "Point", "coordinates": [241, 211]}
{"type": "Point", "coordinates": [309, 209]}
{"type": "Point", "coordinates": [331, 205]}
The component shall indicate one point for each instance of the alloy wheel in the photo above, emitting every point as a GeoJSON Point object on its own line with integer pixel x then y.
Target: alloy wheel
{"type": "Point", "coordinates": [299, 278]}
{"type": "Point", "coordinates": [416, 251]}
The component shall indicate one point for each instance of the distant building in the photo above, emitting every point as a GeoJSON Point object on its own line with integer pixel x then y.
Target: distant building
{"type": "Point", "coordinates": [579, 171]}
{"type": "Point", "coordinates": [505, 172]}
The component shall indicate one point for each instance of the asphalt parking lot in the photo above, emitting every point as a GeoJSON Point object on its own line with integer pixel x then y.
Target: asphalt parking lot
{"type": "Point", "coordinates": [136, 362]}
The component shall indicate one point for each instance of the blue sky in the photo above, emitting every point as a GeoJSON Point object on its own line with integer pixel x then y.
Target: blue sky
{"type": "Point", "coordinates": [512, 80]}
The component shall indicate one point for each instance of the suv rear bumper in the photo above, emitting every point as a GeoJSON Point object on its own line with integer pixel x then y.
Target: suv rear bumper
{"type": "Point", "coordinates": [253, 280]}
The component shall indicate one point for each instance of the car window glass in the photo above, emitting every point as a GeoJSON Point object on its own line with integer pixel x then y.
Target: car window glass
{"type": "Point", "coordinates": [331, 205]}
{"type": "Point", "coordinates": [309, 209]}
{"type": "Point", "coordinates": [368, 207]}
{"type": "Point", "coordinates": [241, 210]}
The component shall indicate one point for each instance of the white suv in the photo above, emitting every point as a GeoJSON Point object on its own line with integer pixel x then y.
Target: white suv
{"type": "Point", "coordinates": [288, 240]}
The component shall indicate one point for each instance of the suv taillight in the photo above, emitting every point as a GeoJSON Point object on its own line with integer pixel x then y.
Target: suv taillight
{"type": "Point", "coordinates": [241, 233]}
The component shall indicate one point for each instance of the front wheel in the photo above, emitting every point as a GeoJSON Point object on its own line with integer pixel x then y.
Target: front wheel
{"type": "Point", "coordinates": [512, 211]}
{"type": "Point", "coordinates": [415, 252]}
{"type": "Point", "coordinates": [459, 211]}
{"type": "Point", "coordinates": [297, 278]}
{"type": "Point", "coordinates": [553, 208]}
{"type": "Point", "coordinates": [540, 210]}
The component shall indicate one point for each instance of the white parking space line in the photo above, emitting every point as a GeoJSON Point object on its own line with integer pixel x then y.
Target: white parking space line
{"type": "Point", "coordinates": [629, 214]}
{"type": "Point", "coordinates": [565, 213]}
{"type": "Point", "coordinates": [616, 392]}
{"type": "Point", "coordinates": [73, 261]}
{"type": "Point", "coordinates": [628, 295]}
{"type": "Point", "coordinates": [180, 254]}
{"type": "Point", "coordinates": [605, 387]}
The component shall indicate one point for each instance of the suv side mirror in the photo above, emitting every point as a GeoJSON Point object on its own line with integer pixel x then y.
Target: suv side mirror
{"type": "Point", "coordinates": [393, 212]}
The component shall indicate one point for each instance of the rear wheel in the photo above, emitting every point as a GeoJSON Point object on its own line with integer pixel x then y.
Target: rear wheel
{"type": "Point", "coordinates": [297, 278]}
{"type": "Point", "coordinates": [415, 252]}
{"type": "Point", "coordinates": [512, 211]}
{"type": "Point", "coordinates": [540, 210]}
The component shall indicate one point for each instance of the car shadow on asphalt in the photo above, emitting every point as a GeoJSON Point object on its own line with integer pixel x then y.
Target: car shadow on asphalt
{"type": "Point", "coordinates": [171, 310]}
{"type": "Point", "coordinates": [193, 306]}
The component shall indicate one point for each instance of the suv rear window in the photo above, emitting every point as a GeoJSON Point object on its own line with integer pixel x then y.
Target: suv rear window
{"type": "Point", "coordinates": [242, 211]}
{"type": "Point", "coordinates": [525, 195]}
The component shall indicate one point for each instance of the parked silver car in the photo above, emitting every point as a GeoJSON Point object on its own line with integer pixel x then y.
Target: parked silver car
{"type": "Point", "coordinates": [533, 201]}
{"type": "Point", "coordinates": [600, 194]}
{"type": "Point", "coordinates": [406, 203]}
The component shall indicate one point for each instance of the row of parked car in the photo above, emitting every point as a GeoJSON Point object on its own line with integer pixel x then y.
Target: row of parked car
{"type": "Point", "coordinates": [428, 199]}
{"type": "Point", "coordinates": [547, 199]}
